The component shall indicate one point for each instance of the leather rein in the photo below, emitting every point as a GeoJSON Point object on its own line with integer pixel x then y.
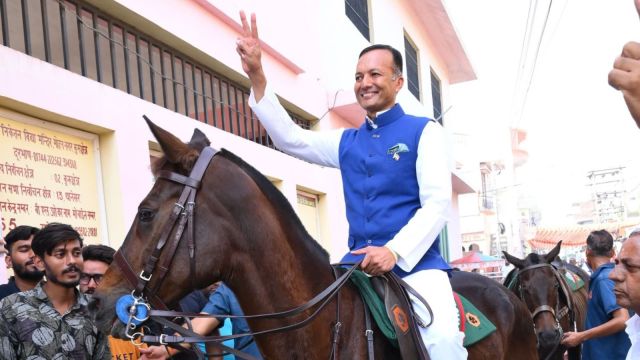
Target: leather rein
{"type": "Point", "coordinates": [181, 218]}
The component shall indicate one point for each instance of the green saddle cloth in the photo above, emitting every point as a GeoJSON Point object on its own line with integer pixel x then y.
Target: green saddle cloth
{"type": "Point", "coordinates": [477, 326]}
{"type": "Point", "coordinates": [575, 283]}
{"type": "Point", "coordinates": [376, 305]}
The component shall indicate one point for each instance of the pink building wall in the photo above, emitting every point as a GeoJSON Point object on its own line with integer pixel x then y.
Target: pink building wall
{"type": "Point", "coordinates": [311, 50]}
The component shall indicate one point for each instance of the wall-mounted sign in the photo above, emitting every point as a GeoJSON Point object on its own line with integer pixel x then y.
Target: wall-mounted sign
{"type": "Point", "coordinates": [48, 176]}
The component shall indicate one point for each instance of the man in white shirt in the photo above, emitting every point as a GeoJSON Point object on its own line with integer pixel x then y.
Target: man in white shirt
{"type": "Point", "coordinates": [397, 192]}
{"type": "Point", "coordinates": [626, 276]}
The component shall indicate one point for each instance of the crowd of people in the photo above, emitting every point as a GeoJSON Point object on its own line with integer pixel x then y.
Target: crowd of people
{"type": "Point", "coordinates": [48, 318]}
{"type": "Point", "coordinates": [43, 306]}
{"type": "Point", "coordinates": [612, 324]}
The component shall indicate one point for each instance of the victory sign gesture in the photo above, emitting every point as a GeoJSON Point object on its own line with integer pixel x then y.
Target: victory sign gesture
{"type": "Point", "coordinates": [248, 47]}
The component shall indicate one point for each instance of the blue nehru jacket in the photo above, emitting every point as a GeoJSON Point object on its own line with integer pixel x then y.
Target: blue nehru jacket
{"type": "Point", "coordinates": [378, 167]}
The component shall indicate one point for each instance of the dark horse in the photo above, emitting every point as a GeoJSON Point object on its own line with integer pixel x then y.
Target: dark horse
{"type": "Point", "coordinates": [540, 282]}
{"type": "Point", "coordinates": [246, 234]}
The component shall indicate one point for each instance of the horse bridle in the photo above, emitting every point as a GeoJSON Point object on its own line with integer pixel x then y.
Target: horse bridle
{"type": "Point", "coordinates": [556, 313]}
{"type": "Point", "coordinates": [181, 217]}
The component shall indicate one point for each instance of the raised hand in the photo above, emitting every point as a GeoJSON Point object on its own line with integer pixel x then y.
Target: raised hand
{"type": "Point", "coordinates": [625, 75]}
{"type": "Point", "coordinates": [248, 45]}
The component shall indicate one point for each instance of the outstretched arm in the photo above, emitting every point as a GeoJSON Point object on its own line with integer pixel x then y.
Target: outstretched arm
{"type": "Point", "coordinates": [316, 147]}
{"type": "Point", "coordinates": [603, 297]}
{"type": "Point", "coordinates": [615, 325]}
{"type": "Point", "coordinates": [625, 75]}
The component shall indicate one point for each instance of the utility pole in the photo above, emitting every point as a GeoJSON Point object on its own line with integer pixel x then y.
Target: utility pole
{"type": "Point", "coordinates": [608, 194]}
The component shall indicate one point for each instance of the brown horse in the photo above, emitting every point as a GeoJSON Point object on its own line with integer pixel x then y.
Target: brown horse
{"type": "Point", "coordinates": [554, 307]}
{"type": "Point", "coordinates": [246, 234]}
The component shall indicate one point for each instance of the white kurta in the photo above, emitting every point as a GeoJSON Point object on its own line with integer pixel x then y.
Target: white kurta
{"type": "Point", "coordinates": [633, 329]}
{"type": "Point", "coordinates": [322, 147]}
{"type": "Point", "coordinates": [442, 338]}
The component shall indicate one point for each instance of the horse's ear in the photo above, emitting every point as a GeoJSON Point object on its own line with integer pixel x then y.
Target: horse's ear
{"type": "Point", "coordinates": [199, 140]}
{"type": "Point", "coordinates": [172, 147]}
{"type": "Point", "coordinates": [519, 263]}
{"type": "Point", "coordinates": [553, 253]}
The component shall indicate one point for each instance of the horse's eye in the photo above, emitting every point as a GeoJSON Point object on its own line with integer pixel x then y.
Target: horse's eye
{"type": "Point", "coordinates": [145, 215]}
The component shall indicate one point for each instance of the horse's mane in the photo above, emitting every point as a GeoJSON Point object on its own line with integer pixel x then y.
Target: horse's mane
{"type": "Point", "coordinates": [511, 280]}
{"type": "Point", "coordinates": [268, 189]}
{"type": "Point", "coordinates": [277, 199]}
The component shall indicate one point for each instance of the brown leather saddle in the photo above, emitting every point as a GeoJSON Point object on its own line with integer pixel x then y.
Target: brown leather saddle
{"type": "Point", "coordinates": [395, 294]}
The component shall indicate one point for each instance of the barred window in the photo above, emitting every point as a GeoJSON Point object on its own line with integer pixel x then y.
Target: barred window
{"type": "Point", "coordinates": [436, 97]}
{"type": "Point", "coordinates": [78, 37]}
{"type": "Point", "coordinates": [358, 12]}
{"type": "Point", "coordinates": [413, 74]}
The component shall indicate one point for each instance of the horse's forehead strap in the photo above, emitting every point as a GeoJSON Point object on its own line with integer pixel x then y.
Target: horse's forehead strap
{"type": "Point", "coordinates": [536, 266]}
{"type": "Point", "coordinates": [178, 178]}
{"type": "Point", "coordinates": [197, 172]}
{"type": "Point", "coordinates": [516, 276]}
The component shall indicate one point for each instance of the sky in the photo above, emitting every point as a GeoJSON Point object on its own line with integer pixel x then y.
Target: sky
{"type": "Point", "coordinates": [575, 121]}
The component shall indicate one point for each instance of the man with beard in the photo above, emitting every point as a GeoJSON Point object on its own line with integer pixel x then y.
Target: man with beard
{"type": "Point", "coordinates": [51, 321]}
{"type": "Point", "coordinates": [20, 258]}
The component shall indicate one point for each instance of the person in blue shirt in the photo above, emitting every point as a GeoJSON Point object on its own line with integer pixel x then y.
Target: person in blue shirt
{"type": "Point", "coordinates": [604, 336]}
{"type": "Point", "coordinates": [221, 302]}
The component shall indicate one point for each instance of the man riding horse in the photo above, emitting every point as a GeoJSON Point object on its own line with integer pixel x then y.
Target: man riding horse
{"type": "Point", "coordinates": [396, 177]}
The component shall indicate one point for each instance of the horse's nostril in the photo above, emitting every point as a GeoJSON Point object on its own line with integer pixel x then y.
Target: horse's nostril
{"type": "Point", "coordinates": [548, 337]}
